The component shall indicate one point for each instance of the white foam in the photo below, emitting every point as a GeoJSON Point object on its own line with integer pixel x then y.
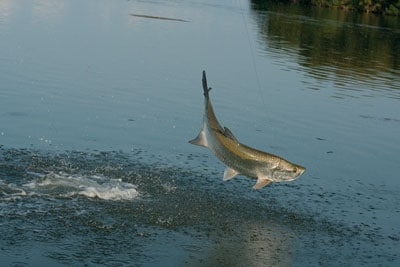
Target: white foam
{"type": "Point", "coordinates": [10, 191]}
{"type": "Point", "coordinates": [63, 184]}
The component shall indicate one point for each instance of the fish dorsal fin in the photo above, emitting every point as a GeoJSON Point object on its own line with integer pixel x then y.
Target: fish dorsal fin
{"type": "Point", "coordinates": [229, 173]}
{"type": "Point", "coordinates": [229, 134]}
{"type": "Point", "coordinates": [261, 182]}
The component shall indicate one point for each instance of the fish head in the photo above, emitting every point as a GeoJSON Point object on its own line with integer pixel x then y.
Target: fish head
{"type": "Point", "coordinates": [287, 171]}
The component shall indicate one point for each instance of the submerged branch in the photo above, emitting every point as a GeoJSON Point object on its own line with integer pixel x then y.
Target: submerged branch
{"type": "Point", "coordinates": [157, 17]}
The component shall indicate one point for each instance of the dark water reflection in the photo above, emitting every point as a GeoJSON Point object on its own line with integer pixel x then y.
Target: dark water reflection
{"type": "Point", "coordinates": [344, 47]}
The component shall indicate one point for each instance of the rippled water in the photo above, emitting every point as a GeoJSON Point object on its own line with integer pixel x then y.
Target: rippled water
{"type": "Point", "coordinates": [203, 220]}
{"type": "Point", "coordinates": [97, 106]}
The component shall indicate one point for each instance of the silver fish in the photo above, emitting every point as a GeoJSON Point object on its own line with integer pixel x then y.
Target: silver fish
{"type": "Point", "coordinates": [239, 158]}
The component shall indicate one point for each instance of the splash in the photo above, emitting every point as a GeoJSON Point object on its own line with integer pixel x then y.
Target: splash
{"type": "Point", "coordinates": [67, 185]}
{"type": "Point", "coordinates": [10, 191]}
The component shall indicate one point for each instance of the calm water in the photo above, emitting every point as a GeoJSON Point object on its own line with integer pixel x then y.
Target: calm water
{"type": "Point", "coordinates": [96, 107]}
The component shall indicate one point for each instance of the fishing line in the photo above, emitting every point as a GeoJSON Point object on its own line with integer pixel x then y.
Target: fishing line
{"type": "Point", "coordinates": [273, 132]}
{"type": "Point", "coordinates": [252, 53]}
{"type": "Point", "coordinates": [254, 63]}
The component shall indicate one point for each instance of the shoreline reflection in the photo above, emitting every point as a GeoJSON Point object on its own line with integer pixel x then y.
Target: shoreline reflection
{"type": "Point", "coordinates": [330, 45]}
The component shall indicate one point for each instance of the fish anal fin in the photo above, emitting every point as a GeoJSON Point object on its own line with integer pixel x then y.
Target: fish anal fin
{"type": "Point", "coordinates": [261, 182]}
{"type": "Point", "coordinates": [200, 140]}
{"type": "Point", "coordinates": [229, 173]}
{"type": "Point", "coordinates": [229, 134]}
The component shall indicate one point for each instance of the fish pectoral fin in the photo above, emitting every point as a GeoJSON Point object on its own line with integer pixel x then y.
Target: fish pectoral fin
{"type": "Point", "coordinates": [200, 140]}
{"type": "Point", "coordinates": [229, 173]}
{"type": "Point", "coordinates": [261, 182]}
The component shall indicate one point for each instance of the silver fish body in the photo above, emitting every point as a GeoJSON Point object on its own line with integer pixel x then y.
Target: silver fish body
{"type": "Point", "coordinates": [239, 158]}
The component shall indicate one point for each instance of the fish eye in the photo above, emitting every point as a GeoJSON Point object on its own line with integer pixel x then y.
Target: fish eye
{"type": "Point", "coordinates": [294, 169]}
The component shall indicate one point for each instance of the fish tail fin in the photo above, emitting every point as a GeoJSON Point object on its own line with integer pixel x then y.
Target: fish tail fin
{"type": "Point", "coordinates": [205, 87]}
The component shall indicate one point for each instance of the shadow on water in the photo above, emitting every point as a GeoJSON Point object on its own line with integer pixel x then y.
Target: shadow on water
{"type": "Point", "coordinates": [177, 211]}
{"type": "Point", "coordinates": [334, 45]}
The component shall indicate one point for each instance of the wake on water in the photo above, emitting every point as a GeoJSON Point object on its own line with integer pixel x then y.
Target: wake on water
{"type": "Point", "coordinates": [95, 186]}
{"type": "Point", "coordinates": [27, 173]}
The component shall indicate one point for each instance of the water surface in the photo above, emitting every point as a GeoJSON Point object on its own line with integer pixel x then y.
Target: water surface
{"type": "Point", "coordinates": [97, 105]}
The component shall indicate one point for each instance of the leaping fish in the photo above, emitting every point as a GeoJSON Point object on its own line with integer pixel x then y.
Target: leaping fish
{"type": "Point", "coordinates": [239, 158]}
